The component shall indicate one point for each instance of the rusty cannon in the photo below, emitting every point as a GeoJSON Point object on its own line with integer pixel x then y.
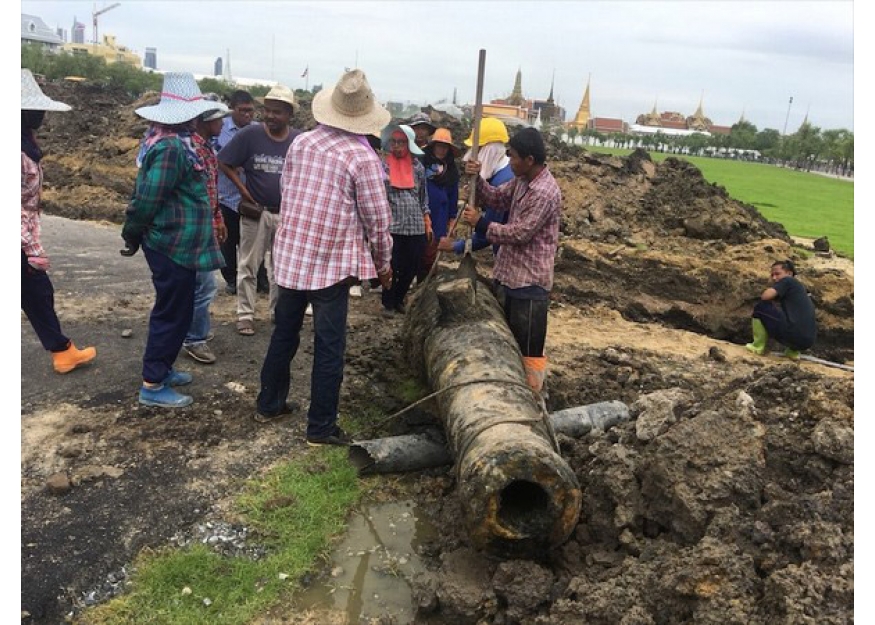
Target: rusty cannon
{"type": "Point", "coordinates": [519, 497]}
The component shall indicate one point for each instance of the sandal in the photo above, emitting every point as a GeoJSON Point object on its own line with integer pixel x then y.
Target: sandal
{"type": "Point", "coordinates": [245, 327]}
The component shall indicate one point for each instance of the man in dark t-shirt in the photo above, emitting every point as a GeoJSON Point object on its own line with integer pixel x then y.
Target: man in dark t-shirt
{"type": "Point", "coordinates": [260, 151]}
{"type": "Point", "coordinates": [785, 312]}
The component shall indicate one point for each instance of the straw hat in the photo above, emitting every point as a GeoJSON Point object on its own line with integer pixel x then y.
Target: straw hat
{"type": "Point", "coordinates": [282, 93]}
{"type": "Point", "coordinates": [181, 101]}
{"type": "Point", "coordinates": [350, 106]}
{"type": "Point", "coordinates": [389, 130]}
{"type": "Point", "coordinates": [33, 98]}
{"type": "Point", "coordinates": [491, 130]}
{"type": "Point", "coordinates": [442, 135]}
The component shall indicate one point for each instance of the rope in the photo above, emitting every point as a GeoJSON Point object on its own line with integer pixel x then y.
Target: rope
{"type": "Point", "coordinates": [544, 416]}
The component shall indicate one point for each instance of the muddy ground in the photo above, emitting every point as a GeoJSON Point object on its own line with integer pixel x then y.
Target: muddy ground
{"type": "Point", "coordinates": [728, 500]}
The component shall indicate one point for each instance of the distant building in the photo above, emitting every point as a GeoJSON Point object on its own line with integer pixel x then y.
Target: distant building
{"type": "Point", "coordinates": [607, 125]}
{"type": "Point", "coordinates": [109, 51]}
{"type": "Point", "coordinates": [77, 32]}
{"type": "Point", "coordinates": [217, 67]}
{"type": "Point", "coordinates": [674, 123]}
{"type": "Point", "coordinates": [150, 59]}
{"type": "Point", "coordinates": [62, 33]}
{"type": "Point", "coordinates": [35, 31]}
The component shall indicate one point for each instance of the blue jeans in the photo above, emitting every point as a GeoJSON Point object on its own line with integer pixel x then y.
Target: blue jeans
{"type": "Point", "coordinates": [204, 291]}
{"type": "Point", "coordinates": [171, 314]}
{"type": "Point", "coordinates": [330, 307]}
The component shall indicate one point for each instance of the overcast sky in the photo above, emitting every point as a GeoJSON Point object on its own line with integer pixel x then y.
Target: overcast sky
{"type": "Point", "coordinates": [738, 57]}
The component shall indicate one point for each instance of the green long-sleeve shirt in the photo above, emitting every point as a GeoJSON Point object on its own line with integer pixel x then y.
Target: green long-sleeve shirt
{"type": "Point", "coordinates": [170, 208]}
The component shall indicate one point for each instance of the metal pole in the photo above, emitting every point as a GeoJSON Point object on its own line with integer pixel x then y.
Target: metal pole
{"type": "Point", "coordinates": [786, 119]}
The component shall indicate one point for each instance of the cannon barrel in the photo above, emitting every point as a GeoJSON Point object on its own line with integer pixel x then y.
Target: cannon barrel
{"type": "Point", "coordinates": [518, 496]}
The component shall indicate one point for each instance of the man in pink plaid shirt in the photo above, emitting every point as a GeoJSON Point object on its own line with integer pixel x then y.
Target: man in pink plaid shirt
{"type": "Point", "coordinates": [334, 231]}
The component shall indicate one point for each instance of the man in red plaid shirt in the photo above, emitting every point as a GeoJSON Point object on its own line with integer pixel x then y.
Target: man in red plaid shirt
{"type": "Point", "coordinates": [334, 231]}
{"type": "Point", "coordinates": [523, 271]}
{"type": "Point", "coordinates": [209, 125]}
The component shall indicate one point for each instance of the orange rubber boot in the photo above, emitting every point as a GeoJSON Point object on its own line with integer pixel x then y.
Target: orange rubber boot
{"type": "Point", "coordinates": [536, 371]}
{"type": "Point", "coordinates": [72, 357]}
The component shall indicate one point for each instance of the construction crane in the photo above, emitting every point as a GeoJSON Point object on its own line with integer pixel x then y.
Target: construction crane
{"type": "Point", "coordinates": [101, 12]}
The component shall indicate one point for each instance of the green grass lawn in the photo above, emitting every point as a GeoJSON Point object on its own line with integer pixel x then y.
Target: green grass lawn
{"type": "Point", "coordinates": [807, 205]}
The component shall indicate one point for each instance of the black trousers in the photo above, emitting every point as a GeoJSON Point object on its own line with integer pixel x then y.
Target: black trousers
{"type": "Point", "coordinates": [38, 303]}
{"type": "Point", "coordinates": [527, 320]}
{"type": "Point", "coordinates": [406, 256]}
{"type": "Point", "coordinates": [229, 247]}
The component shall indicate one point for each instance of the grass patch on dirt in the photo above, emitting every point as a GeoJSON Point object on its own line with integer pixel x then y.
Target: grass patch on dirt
{"type": "Point", "coordinates": [294, 510]}
{"type": "Point", "coordinates": [807, 205]}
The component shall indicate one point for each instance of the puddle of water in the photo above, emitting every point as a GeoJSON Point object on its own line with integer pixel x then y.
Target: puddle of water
{"type": "Point", "coordinates": [373, 566]}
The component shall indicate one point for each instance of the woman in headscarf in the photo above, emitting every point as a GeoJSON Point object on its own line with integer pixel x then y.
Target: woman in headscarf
{"type": "Point", "coordinates": [442, 177]}
{"type": "Point", "coordinates": [411, 220]}
{"type": "Point", "coordinates": [37, 291]}
{"type": "Point", "coordinates": [171, 218]}
{"type": "Point", "coordinates": [495, 169]}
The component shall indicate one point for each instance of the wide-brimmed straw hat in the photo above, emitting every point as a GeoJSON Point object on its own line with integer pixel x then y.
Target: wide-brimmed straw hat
{"type": "Point", "coordinates": [282, 93]}
{"type": "Point", "coordinates": [442, 135]}
{"type": "Point", "coordinates": [181, 101]}
{"type": "Point", "coordinates": [350, 105]}
{"type": "Point", "coordinates": [33, 98]}
{"type": "Point", "coordinates": [389, 130]}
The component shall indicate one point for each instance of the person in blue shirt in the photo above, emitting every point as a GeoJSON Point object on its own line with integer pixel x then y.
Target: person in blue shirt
{"type": "Point", "coordinates": [494, 169]}
{"type": "Point", "coordinates": [442, 181]}
{"type": "Point", "coordinates": [242, 106]}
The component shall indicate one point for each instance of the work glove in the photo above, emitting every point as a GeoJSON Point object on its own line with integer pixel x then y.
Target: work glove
{"type": "Point", "coordinates": [429, 232]}
{"type": "Point", "coordinates": [132, 244]}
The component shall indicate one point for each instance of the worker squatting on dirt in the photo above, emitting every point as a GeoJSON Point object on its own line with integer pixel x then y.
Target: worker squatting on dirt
{"type": "Point", "coordinates": [785, 312]}
{"type": "Point", "coordinates": [171, 218]}
{"type": "Point", "coordinates": [330, 237]}
{"type": "Point", "coordinates": [523, 271]}
{"type": "Point", "coordinates": [37, 291]}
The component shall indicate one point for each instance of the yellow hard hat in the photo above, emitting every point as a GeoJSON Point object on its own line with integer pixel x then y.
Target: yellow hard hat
{"type": "Point", "coordinates": [491, 130]}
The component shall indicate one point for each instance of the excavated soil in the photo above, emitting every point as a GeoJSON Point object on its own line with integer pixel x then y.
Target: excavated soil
{"type": "Point", "coordinates": [729, 498]}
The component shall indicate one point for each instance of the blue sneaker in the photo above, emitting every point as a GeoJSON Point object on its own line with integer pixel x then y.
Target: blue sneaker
{"type": "Point", "coordinates": [177, 378]}
{"type": "Point", "coordinates": [163, 397]}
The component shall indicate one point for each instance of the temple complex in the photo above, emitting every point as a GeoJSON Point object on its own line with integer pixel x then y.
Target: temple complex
{"type": "Point", "coordinates": [518, 109]}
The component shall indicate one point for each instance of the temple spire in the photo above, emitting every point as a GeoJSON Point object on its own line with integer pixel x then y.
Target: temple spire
{"type": "Point", "coordinates": [516, 98]}
{"type": "Point", "coordinates": [552, 83]}
{"type": "Point", "coordinates": [700, 114]}
{"type": "Point", "coordinates": [583, 113]}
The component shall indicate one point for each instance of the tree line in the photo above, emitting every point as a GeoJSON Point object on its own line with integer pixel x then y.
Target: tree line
{"type": "Point", "coordinates": [809, 148]}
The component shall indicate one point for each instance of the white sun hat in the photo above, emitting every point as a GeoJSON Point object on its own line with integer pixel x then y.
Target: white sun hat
{"type": "Point", "coordinates": [33, 98]}
{"type": "Point", "coordinates": [408, 132]}
{"type": "Point", "coordinates": [181, 101]}
{"type": "Point", "coordinates": [350, 105]}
